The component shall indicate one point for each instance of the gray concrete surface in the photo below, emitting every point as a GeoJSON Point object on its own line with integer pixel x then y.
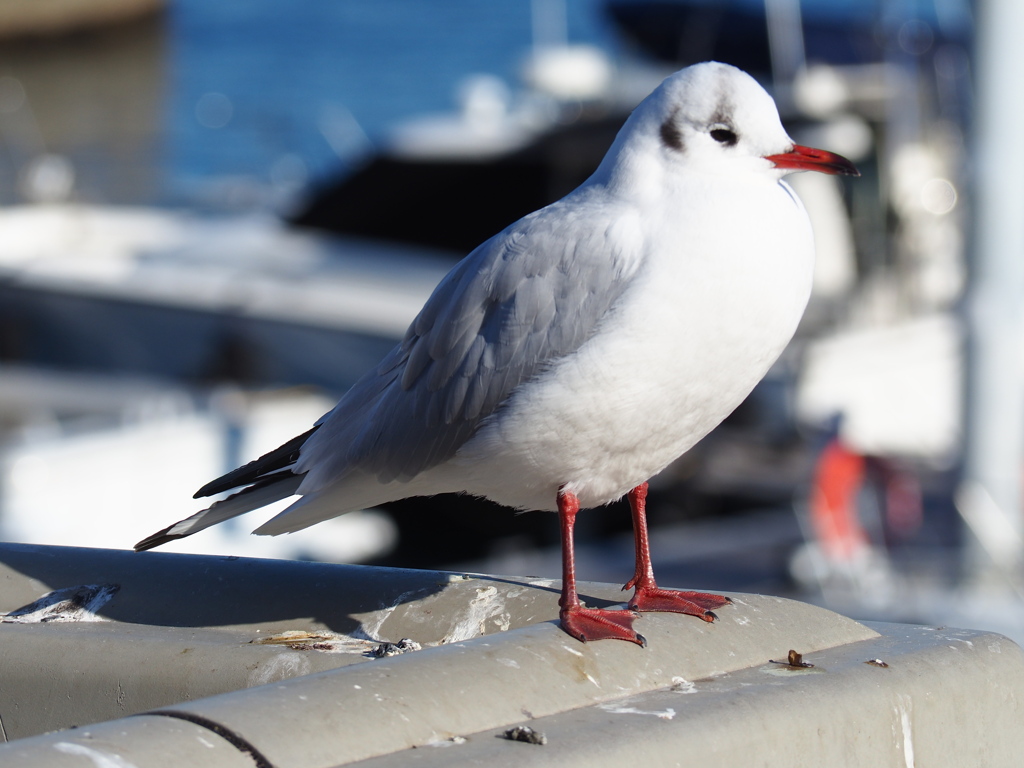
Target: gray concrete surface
{"type": "Point", "coordinates": [185, 639]}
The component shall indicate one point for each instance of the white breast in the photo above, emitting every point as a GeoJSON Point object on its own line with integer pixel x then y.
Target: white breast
{"type": "Point", "coordinates": [708, 312]}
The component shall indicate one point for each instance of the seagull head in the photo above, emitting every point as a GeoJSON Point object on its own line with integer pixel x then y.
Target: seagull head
{"type": "Point", "coordinates": [714, 118]}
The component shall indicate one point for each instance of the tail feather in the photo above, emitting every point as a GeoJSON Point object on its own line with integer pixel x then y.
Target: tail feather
{"type": "Point", "coordinates": [263, 492]}
{"type": "Point", "coordinates": [357, 490]}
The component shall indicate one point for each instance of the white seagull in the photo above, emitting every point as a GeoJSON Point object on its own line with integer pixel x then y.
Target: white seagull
{"type": "Point", "coordinates": [578, 352]}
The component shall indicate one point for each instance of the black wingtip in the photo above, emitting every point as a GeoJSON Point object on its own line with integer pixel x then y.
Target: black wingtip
{"type": "Point", "coordinates": [158, 538]}
{"type": "Point", "coordinates": [223, 483]}
{"type": "Point", "coordinates": [276, 460]}
{"type": "Point", "coordinates": [205, 490]}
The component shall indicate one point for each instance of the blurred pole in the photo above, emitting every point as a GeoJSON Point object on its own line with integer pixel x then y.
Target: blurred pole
{"type": "Point", "coordinates": [550, 23]}
{"type": "Point", "coordinates": [990, 497]}
{"type": "Point", "coordinates": [786, 45]}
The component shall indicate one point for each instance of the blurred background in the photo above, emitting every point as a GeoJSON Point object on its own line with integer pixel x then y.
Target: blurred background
{"type": "Point", "coordinates": [214, 216]}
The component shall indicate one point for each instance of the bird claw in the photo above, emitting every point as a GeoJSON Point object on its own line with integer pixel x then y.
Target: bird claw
{"type": "Point", "coordinates": [586, 624]}
{"type": "Point", "coordinates": [697, 604]}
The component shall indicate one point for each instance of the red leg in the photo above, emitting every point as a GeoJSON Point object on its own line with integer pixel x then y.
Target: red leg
{"type": "Point", "coordinates": [648, 596]}
{"type": "Point", "coordinates": [586, 623]}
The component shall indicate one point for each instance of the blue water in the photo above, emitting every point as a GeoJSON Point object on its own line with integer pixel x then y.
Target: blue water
{"type": "Point", "coordinates": [284, 68]}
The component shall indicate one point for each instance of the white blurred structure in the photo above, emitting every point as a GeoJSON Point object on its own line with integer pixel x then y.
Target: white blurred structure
{"type": "Point", "coordinates": [991, 497]}
{"type": "Point", "coordinates": [898, 388]}
{"type": "Point", "coordinates": [103, 460]}
{"type": "Point", "coordinates": [111, 486]}
{"type": "Point", "coordinates": [244, 265]}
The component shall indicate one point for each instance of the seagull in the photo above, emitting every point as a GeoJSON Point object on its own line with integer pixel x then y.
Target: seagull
{"type": "Point", "coordinates": [581, 350]}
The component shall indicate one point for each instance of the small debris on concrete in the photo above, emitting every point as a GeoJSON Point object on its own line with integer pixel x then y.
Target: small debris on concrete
{"type": "Point", "coordinates": [682, 685]}
{"type": "Point", "coordinates": [527, 734]}
{"type": "Point", "coordinates": [876, 663]}
{"type": "Point", "coordinates": [794, 661]}
{"type": "Point", "coordinates": [451, 741]}
{"type": "Point", "coordinates": [302, 640]}
{"type": "Point", "coordinates": [405, 645]}
{"type": "Point", "coordinates": [68, 604]}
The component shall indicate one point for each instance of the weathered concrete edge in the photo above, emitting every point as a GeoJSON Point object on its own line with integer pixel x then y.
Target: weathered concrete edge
{"type": "Point", "coordinates": [391, 704]}
{"type": "Point", "coordinates": [944, 697]}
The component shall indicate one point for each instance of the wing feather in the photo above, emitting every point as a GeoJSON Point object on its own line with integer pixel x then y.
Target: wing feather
{"type": "Point", "coordinates": [523, 299]}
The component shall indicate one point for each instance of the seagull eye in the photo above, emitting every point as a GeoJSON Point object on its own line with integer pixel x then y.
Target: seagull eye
{"type": "Point", "coordinates": [725, 136]}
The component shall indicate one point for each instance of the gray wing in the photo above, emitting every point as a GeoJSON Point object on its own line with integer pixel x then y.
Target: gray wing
{"type": "Point", "coordinates": [524, 298]}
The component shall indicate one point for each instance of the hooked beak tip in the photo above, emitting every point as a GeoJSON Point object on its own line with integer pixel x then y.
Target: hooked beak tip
{"type": "Point", "coordinates": [801, 158]}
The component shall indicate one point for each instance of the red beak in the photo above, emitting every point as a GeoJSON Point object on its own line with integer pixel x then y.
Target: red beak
{"type": "Point", "coordinates": [802, 158]}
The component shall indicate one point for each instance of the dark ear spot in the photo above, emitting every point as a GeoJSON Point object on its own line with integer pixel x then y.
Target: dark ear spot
{"type": "Point", "coordinates": [670, 135]}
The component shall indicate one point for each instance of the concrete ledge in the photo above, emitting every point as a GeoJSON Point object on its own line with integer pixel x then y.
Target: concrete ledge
{"type": "Point", "coordinates": [947, 698]}
{"type": "Point", "coordinates": [182, 627]}
{"type": "Point", "coordinates": [492, 658]}
{"type": "Point", "coordinates": [447, 691]}
{"type": "Point", "coordinates": [140, 741]}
